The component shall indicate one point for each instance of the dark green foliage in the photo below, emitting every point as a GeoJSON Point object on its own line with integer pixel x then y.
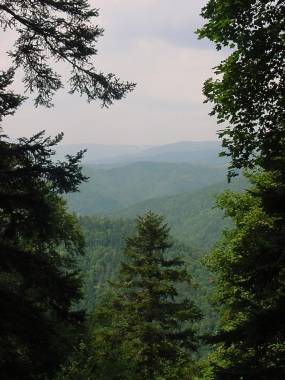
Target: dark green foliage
{"type": "Point", "coordinates": [249, 267]}
{"type": "Point", "coordinates": [112, 356]}
{"type": "Point", "coordinates": [249, 262]}
{"type": "Point", "coordinates": [110, 350]}
{"type": "Point", "coordinates": [39, 241]}
{"type": "Point", "coordinates": [192, 217]}
{"type": "Point", "coordinates": [104, 239]}
{"type": "Point", "coordinates": [249, 95]}
{"type": "Point", "coordinates": [157, 327]}
{"type": "Point", "coordinates": [9, 102]}
{"type": "Point", "coordinates": [58, 30]}
{"type": "Point", "coordinates": [101, 355]}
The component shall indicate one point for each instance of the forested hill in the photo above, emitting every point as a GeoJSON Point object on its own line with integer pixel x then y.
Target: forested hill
{"type": "Point", "coordinates": [132, 278]}
{"type": "Point", "coordinates": [124, 192]}
{"type": "Point", "coordinates": [117, 193]}
{"type": "Point", "coordinates": [105, 240]}
{"type": "Point", "coordinates": [193, 217]}
{"type": "Point", "coordinates": [184, 193]}
{"type": "Point", "coordinates": [113, 189]}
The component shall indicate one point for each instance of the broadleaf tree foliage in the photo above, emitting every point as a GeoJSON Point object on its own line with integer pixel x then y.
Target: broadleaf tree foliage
{"type": "Point", "coordinates": [249, 262]}
{"type": "Point", "coordinates": [249, 267]}
{"type": "Point", "coordinates": [248, 94]}
{"type": "Point", "coordinates": [51, 31]}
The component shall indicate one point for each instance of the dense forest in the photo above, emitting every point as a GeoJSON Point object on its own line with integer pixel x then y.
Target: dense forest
{"type": "Point", "coordinates": [149, 263]}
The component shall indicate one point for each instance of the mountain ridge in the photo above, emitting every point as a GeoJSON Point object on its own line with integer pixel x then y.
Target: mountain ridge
{"type": "Point", "coordinates": [187, 151]}
{"type": "Point", "coordinates": [111, 189]}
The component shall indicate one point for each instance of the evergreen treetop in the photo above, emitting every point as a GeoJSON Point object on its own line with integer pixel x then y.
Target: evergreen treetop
{"type": "Point", "coordinates": [157, 324]}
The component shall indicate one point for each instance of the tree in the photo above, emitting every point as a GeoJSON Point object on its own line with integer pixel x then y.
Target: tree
{"type": "Point", "coordinates": [249, 92]}
{"type": "Point", "coordinates": [156, 326]}
{"type": "Point", "coordinates": [249, 273]}
{"type": "Point", "coordinates": [39, 242]}
{"type": "Point", "coordinates": [39, 239]}
{"type": "Point", "coordinates": [54, 31]}
{"type": "Point", "coordinates": [249, 262]}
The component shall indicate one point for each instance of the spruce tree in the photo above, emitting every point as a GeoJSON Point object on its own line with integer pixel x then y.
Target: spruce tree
{"type": "Point", "coordinates": [39, 243]}
{"type": "Point", "coordinates": [156, 324]}
{"type": "Point", "coordinates": [51, 31]}
{"type": "Point", "coordinates": [39, 239]}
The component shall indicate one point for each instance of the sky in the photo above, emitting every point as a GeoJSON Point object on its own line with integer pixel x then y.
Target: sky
{"type": "Point", "coordinates": [151, 43]}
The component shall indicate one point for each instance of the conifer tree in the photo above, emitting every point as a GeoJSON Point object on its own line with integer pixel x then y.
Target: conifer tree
{"type": "Point", "coordinates": [51, 31]}
{"type": "Point", "coordinates": [155, 323]}
{"type": "Point", "coordinates": [39, 241]}
{"type": "Point", "coordinates": [38, 283]}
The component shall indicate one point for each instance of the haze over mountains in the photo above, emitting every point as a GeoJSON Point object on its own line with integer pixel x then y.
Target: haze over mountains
{"type": "Point", "coordinates": [112, 189]}
{"type": "Point", "coordinates": [187, 151]}
{"type": "Point", "coordinates": [178, 180]}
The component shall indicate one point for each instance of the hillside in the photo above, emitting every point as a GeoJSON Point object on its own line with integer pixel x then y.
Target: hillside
{"type": "Point", "coordinates": [191, 216]}
{"type": "Point", "coordinates": [113, 189]}
{"type": "Point", "coordinates": [105, 239]}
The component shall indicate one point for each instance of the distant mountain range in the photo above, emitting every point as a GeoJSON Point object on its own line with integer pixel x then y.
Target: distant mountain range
{"type": "Point", "coordinates": [192, 217]}
{"type": "Point", "coordinates": [178, 180]}
{"type": "Point", "coordinates": [200, 152]}
{"type": "Point", "coordinates": [112, 189]}
{"type": "Point", "coordinates": [97, 153]}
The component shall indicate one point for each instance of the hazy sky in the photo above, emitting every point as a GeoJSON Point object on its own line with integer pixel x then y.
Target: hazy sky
{"type": "Point", "coordinates": [152, 43]}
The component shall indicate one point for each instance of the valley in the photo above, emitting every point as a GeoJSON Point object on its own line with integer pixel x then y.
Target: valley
{"type": "Point", "coordinates": [183, 192]}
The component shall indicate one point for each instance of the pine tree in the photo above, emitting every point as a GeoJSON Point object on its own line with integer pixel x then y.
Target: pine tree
{"type": "Point", "coordinates": [155, 323]}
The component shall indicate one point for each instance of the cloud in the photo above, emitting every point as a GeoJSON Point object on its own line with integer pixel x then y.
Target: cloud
{"type": "Point", "coordinates": [150, 42]}
{"type": "Point", "coordinates": [164, 72]}
{"type": "Point", "coordinates": [174, 22]}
